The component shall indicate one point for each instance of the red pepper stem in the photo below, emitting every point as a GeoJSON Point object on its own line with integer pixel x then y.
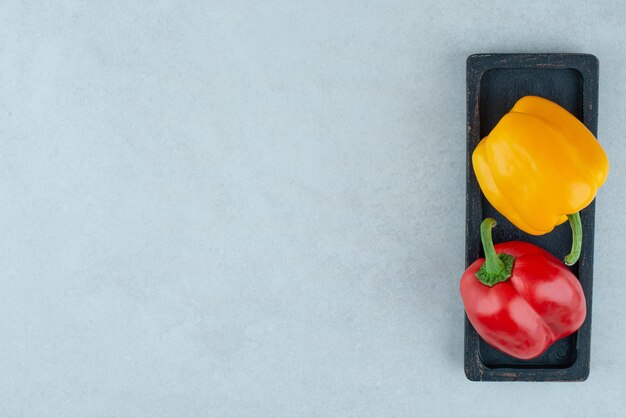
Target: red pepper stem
{"type": "Point", "coordinates": [577, 239]}
{"type": "Point", "coordinates": [493, 264]}
{"type": "Point", "coordinates": [497, 267]}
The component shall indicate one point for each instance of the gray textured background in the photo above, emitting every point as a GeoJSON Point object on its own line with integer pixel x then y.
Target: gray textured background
{"type": "Point", "coordinates": [246, 209]}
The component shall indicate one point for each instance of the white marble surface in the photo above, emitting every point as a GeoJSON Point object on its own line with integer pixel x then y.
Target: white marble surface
{"type": "Point", "coordinates": [257, 208]}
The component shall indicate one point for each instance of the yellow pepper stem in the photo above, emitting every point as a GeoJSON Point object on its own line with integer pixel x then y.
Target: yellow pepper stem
{"type": "Point", "coordinates": [577, 239]}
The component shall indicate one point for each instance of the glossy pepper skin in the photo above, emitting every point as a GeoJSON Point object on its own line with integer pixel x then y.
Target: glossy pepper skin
{"type": "Point", "coordinates": [539, 165]}
{"type": "Point", "coordinates": [523, 310]}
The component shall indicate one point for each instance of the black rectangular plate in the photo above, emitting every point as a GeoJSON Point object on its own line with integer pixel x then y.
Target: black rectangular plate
{"type": "Point", "coordinates": [494, 83]}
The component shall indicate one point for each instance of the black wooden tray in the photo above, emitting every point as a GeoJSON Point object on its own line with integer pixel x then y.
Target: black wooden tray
{"type": "Point", "coordinates": [494, 83]}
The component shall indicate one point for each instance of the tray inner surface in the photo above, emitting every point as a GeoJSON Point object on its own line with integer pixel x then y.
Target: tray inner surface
{"type": "Point", "coordinates": [499, 90]}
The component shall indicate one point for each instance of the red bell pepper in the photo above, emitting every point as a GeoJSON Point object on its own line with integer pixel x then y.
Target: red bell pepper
{"type": "Point", "coordinates": [520, 298]}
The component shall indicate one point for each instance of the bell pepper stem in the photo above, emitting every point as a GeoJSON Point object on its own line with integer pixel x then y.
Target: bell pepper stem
{"type": "Point", "coordinates": [497, 267]}
{"type": "Point", "coordinates": [577, 239]}
{"type": "Point", "coordinates": [493, 264]}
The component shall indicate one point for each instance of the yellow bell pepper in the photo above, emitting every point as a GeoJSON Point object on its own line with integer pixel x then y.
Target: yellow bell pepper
{"type": "Point", "coordinates": [539, 167]}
